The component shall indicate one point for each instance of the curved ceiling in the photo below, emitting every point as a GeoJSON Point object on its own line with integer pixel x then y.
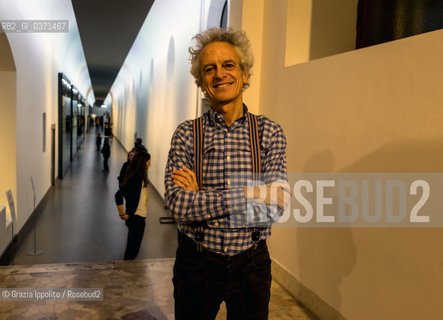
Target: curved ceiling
{"type": "Point", "coordinates": [107, 30]}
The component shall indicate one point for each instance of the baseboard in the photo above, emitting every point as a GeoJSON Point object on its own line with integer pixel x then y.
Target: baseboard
{"type": "Point", "coordinates": [120, 143]}
{"type": "Point", "coordinates": [315, 306]}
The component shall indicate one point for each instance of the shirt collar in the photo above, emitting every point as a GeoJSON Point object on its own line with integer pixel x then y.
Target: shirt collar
{"type": "Point", "coordinates": [218, 119]}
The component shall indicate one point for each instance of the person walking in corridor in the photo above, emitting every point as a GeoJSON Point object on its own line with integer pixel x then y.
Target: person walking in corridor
{"type": "Point", "coordinates": [106, 151]}
{"type": "Point", "coordinates": [98, 141]}
{"type": "Point", "coordinates": [138, 146]}
{"type": "Point", "coordinates": [108, 131]}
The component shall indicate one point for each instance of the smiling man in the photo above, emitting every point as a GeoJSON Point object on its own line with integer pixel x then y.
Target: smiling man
{"type": "Point", "coordinates": [223, 79]}
{"type": "Point", "coordinates": [219, 256]}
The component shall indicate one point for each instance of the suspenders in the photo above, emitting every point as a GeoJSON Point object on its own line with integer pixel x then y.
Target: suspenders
{"type": "Point", "coordinates": [254, 140]}
{"type": "Point", "coordinates": [199, 135]}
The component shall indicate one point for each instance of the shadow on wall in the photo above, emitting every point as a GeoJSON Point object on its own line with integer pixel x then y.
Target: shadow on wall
{"type": "Point", "coordinates": [328, 255]}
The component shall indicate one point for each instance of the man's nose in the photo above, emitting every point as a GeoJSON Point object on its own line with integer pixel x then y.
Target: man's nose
{"type": "Point", "coordinates": [220, 73]}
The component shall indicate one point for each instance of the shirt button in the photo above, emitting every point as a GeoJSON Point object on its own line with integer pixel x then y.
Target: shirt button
{"type": "Point", "coordinates": [225, 250]}
{"type": "Point", "coordinates": [228, 182]}
{"type": "Point", "coordinates": [228, 157]}
{"type": "Point", "coordinates": [216, 223]}
{"type": "Point", "coordinates": [208, 216]}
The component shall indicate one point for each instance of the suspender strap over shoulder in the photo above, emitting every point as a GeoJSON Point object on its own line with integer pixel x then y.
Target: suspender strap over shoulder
{"type": "Point", "coordinates": [198, 132]}
{"type": "Point", "coordinates": [254, 141]}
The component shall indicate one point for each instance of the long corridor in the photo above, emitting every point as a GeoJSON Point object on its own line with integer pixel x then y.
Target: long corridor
{"type": "Point", "coordinates": [78, 220]}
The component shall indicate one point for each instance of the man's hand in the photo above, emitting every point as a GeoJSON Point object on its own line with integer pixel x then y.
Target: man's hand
{"type": "Point", "coordinates": [270, 194]}
{"type": "Point", "coordinates": [185, 178]}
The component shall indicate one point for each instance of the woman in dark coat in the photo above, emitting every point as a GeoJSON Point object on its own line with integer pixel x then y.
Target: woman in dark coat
{"type": "Point", "coordinates": [124, 168]}
{"type": "Point", "coordinates": [134, 192]}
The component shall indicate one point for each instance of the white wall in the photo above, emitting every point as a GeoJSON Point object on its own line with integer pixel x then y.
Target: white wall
{"type": "Point", "coordinates": [154, 90]}
{"type": "Point", "coordinates": [38, 58]}
{"type": "Point", "coordinates": [376, 109]}
{"type": "Point", "coordinates": [8, 139]}
{"type": "Point", "coordinates": [8, 158]}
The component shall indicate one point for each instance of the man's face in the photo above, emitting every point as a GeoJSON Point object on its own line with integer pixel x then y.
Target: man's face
{"type": "Point", "coordinates": [222, 76]}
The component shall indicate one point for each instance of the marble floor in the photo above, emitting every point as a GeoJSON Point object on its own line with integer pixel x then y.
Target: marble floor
{"type": "Point", "coordinates": [140, 289]}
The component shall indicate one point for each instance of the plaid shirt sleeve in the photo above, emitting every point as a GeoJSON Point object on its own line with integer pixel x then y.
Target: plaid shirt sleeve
{"type": "Point", "coordinates": [273, 143]}
{"type": "Point", "coordinates": [190, 206]}
{"type": "Point", "coordinates": [274, 165]}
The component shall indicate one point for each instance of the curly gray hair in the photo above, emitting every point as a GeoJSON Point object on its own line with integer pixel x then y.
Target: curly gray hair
{"type": "Point", "coordinates": [234, 37]}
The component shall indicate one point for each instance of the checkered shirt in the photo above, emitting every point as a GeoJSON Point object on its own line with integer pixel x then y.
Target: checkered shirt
{"type": "Point", "coordinates": [221, 204]}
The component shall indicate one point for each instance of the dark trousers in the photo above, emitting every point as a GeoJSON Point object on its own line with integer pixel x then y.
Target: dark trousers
{"type": "Point", "coordinates": [202, 280]}
{"type": "Point", "coordinates": [136, 229]}
{"type": "Point", "coordinates": [105, 164]}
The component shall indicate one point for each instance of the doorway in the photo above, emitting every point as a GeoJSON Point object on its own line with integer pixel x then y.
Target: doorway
{"type": "Point", "coordinates": [53, 154]}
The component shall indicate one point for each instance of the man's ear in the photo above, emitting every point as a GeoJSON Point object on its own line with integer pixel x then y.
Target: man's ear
{"type": "Point", "coordinates": [203, 88]}
{"type": "Point", "coordinates": [245, 76]}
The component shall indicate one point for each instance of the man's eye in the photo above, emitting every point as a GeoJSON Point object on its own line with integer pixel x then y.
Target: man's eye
{"type": "Point", "coordinates": [209, 69]}
{"type": "Point", "coordinates": [229, 65]}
